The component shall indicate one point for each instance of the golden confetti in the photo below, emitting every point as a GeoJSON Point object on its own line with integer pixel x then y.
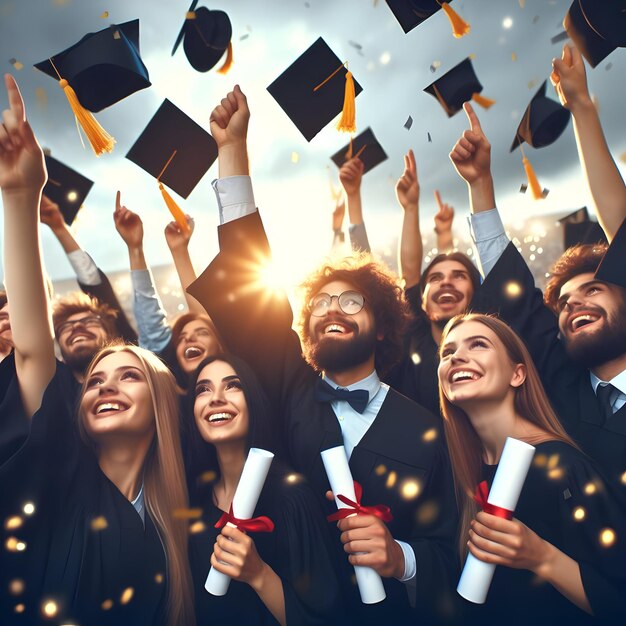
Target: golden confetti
{"type": "Point", "coordinates": [512, 289]}
{"type": "Point", "coordinates": [430, 435]}
{"type": "Point", "coordinates": [14, 545]}
{"type": "Point", "coordinates": [553, 461]}
{"type": "Point", "coordinates": [104, 15]}
{"type": "Point", "coordinates": [41, 96]}
{"type": "Point", "coordinates": [427, 513]}
{"type": "Point", "coordinates": [107, 604]}
{"type": "Point", "coordinates": [556, 473]}
{"type": "Point", "coordinates": [522, 4]}
{"type": "Point", "coordinates": [472, 56]}
{"type": "Point", "coordinates": [579, 513]}
{"type": "Point", "coordinates": [19, 608]}
{"type": "Point", "coordinates": [16, 586]}
{"type": "Point", "coordinates": [410, 489]}
{"type": "Point", "coordinates": [29, 508]}
{"type": "Point", "coordinates": [295, 157]}
{"type": "Point", "coordinates": [49, 609]}
{"type": "Point", "coordinates": [99, 523]}
{"type": "Point", "coordinates": [624, 478]}
{"type": "Point", "coordinates": [416, 358]}
{"type": "Point", "coordinates": [197, 527]}
{"type": "Point", "coordinates": [622, 158]}
{"type": "Point", "coordinates": [607, 537]}
{"type": "Point", "coordinates": [294, 478]}
{"type": "Point", "coordinates": [12, 523]}
{"type": "Point", "coordinates": [116, 35]}
{"type": "Point", "coordinates": [532, 83]}
{"type": "Point", "coordinates": [590, 488]}
{"type": "Point", "coordinates": [391, 480]}
{"type": "Point", "coordinates": [158, 579]}
{"type": "Point", "coordinates": [380, 469]}
{"type": "Point", "coordinates": [513, 56]}
{"type": "Point", "coordinates": [60, 3]}
{"type": "Point", "coordinates": [540, 460]}
{"type": "Point", "coordinates": [187, 513]}
{"type": "Point", "coordinates": [16, 64]}
{"type": "Point", "coordinates": [127, 595]}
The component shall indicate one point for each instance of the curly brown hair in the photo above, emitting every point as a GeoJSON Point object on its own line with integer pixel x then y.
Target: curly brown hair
{"type": "Point", "coordinates": [383, 295]}
{"type": "Point", "coordinates": [576, 260]}
{"type": "Point", "coordinates": [79, 302]}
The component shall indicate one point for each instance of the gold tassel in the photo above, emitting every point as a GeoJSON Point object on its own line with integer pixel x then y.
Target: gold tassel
{"type": "Point", "coordinates": [533, 183]}
{"type": "Point", "coordinates": [484, 102]}
{"type": "Point", "coordinates": [350, 151]}
{"type": "Point", "coordinates": [228, 61]}
{"type": "Point", "coordinates": [99, 139]}
{"type": "Point", "coordinates": [175, 210]}
{"type": "Point", "coordinates": [347, 123]}
{"type": "Point", "coordinates": [459, 26]}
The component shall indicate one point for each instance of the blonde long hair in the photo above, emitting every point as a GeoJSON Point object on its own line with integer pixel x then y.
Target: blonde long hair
{"type": "Point", "coordinates": [466, 449]}
{"type": "Point", "coordinates": [165, 488]}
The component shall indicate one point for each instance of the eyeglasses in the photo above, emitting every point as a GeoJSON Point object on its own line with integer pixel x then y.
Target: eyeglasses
{"type": "Point", "coordinates": [91, 321]}
{"type": "Point", "coordinates": [350, 302]}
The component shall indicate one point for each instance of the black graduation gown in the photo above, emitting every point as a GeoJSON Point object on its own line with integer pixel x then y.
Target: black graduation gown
{"type": "Point", "coordinates": [85, 542]}
{"type": "Point", "coordinates": [404, 445]}
{"type": "Point", "coordinates": [298, 550]}
{"type": "Point", "coordinates": [553, 491]}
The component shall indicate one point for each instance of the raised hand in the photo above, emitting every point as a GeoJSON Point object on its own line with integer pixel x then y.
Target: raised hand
{"type": "Point", "coordinates": [569, 78]}
{"type": "Point", "coordinates": [50, 214]}
{"type": "Point", "coordinates": [22, 166]}
{"type": "Point", "coordinates": [444, 215]}
{"type": "Point", "coordinates": [128, 224]}
{"type": "Point", "coordinates": [176, 237]}
{"type": "Point", "coordinates": [229, 119]}
{"type": "Point", "coordinates": [407, 187]}
{"type": "Point", "coordinates": [350, 175]}
{"type": "Point", "coordinates": [471, 155]}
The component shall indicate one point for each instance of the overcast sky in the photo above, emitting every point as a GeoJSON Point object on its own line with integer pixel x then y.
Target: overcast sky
{"type": "Point", "coordinates": [511, 48]}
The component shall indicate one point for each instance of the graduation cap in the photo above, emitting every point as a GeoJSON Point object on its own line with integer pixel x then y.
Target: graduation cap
{"type": "Point", "coordinates": [542, 124]}
{"type": "Point", "coordinates": [579, 228]}
{"type": "Point", "coordinates": [597, 27]}
{"type": "Point", "coordinates": [207, 35]}
{"type": "Point", "coordinates": [366, 147]}
{"type": "Point", "coordinates": [457, 86]}
{"type": "Point", "coordinates": [98, 71]}
{"type": "Point", "coordinates": [314, 89]}
{"type": "Point", "coordinates": [176, 151]}
{"type": "Point", "coordinates": [611, 268]}
{"type": "Point", "coordinates": [411, 13]}
{"type": "Point", "coordinates": [66, 187]}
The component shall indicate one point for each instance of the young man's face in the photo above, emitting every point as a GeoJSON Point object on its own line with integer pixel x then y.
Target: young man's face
{"type": "Point", "coordinates": [5, 325]}
{"type": "Point", "coordinates": [448, 291]}
{"type": "Point", "coordinates": [80, 336]}
{"type": "Point", "coordinates": [592, 319]}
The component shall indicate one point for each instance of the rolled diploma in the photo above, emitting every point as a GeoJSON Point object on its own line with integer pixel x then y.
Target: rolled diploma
{"type": "Point", "coordinates": [244, 502]}
{"type": "Point", "coordinates": [341, 482]}
{"type": "Point", "coordinates": [505, 491]}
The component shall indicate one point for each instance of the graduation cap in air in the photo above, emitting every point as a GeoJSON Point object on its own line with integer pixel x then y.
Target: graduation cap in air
{"type": "Point", "coordinates": [98, 71]}
{"type": "Point", "coordinates": [366, 147]}
{"type": "Point", "coordinates": [579, 228]}
{"type": "Point", "coordinates": [411, 13]}
{"type": "Point", "coordinates": [66, 187]}
{"type": "Point", "coordinates": [542, 124]}
{"type": "Point", "coordinates": [457, 86]}
{"type": "Point", "coordinates": [611, 268]}
{"type": "Point", "coordinates": [207, 35]}
{"type": "Point", "coordinates": [176, 151]}
{"type": "Point", "coordinates": [314, 89]}
{"type": "Point", "coordinates": [597, 27]}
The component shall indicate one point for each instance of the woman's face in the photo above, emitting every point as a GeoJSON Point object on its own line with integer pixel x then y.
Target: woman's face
{"type": "Point", "coordinates": [475, 367]}
{"type": "Point", "coordinates": [117, 399]}
{"type": "Point", "coordinates": [220, 408]}
{"type": "Point", "coordinates": [195, 342]}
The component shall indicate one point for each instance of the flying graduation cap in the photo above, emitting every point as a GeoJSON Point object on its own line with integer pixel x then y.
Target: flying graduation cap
{"type": "Point", "coordinates": [207, 35]}
{"type": "Point", "coordinates": [98, 71]}
{"type": "Point", "coordinates": [457, 86]}
{"type": "Point", "coordinates": [597, 27]}
{"type": "Point", "coordinates": [579, 228]}
{"type": "Point", "coordinates": [411, 13]}
{"type": "Point", "coordinates": [176, 151]}
{"type": "Point", "coordinates": [366, 147]}
{"type": "Point", "coordinates": [315, 88]}
{"type": "Point", "coordinates": [66, 187]}
{"type": "Point", "coordinates": [542, 124]}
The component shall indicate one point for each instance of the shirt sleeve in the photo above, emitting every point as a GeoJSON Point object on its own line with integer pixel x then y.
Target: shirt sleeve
{"type": "Point", "coordinates": [410, 565]}
{"type": "Point", "coordinates": [235, 197]}
{"type": "Point", "coordinates": [489, 239]}
{"type": "Point", "coordinates": [154, 331]}
{"type": "Point", "coordinates": [358, 238]}
{"type": "Point", "coordinates": [84, 267]}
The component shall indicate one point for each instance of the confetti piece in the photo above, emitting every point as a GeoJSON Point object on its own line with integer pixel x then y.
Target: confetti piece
{"type": "Point", "coordinates": [187, 513]}
{"type": "Point", "coordinates": [408, 123]}
{"type": "Point", "coordinates": [523, 188]}
{"type": "Point", "coordinates": [104, 15]}
{"type": "Point", "coordinates": [560, 37]}
{"type": "Point", "coordinates": [12, 523]}
{"type": "Point", "coordinates": [608, 66]}
{"type": "Point", "coordinates": [116, 34]}
{"type": "Point", "coordinates": [356, 45]}
{"type": "Point", "coordinates": [545, 192]}
{"type": "Point", "coordinates": [16, 586]}
{"type": "Point", "coordinates": [49, 608]}
{"type": "Point", "coordinates": [16, 64]}
{"type": "Point", "coordinates": [107, 604]}
{"type": "Point", "coordinates": [622, 158]}
{"type": "Point", "coordinates": [430, 139]}
{"type": "Point", "coordinates": [60, 3]}
{"type": "Point", "coordinates": [435, 65]}
{"type": "Point", "coordinates": [522, 4]}
{"type": "Point", "coordinates": [210, 476]}
{"type": "Point", "coordinates": [197, 527]}
{"type": "Point", "coordinates": [513, 56]}
{"type": "Point", "coordinates": [391, 480]}
{"type": "Point", "coordinates": [295, 157]}
{"type": "Point", "coordinates": [410, 489]}
{"type": "Point", "coordinates": [535, 19]}
{"type": "Point", "coordinates": [532, 83]}
{"type": "Point", "coordinates": [29, 508]}
{"type": "Point", "coordinates": [244, 36]}
{"type": "Point", "coordinates": [42, 96]}
{"type": "Point", "coordinates": [99, 523]}
{"type": "Point", "coordinates": [430, 435]}
{"type": "Point", "coordinates": [472, 56]}
{"type": "Point", "coordinates": [607, 537]}
{"type": "Point", "coordinates": [127, 595]}
{"type": "Point", "coordinates": [19, 608]}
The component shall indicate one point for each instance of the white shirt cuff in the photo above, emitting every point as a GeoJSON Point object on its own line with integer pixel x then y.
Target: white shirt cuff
{"type": "Point", "coordinates": [235, 197]}
{"type": "Point", "coordinates": [410, 566]}
{"type": "Point", "coordinates": [85, 269]}
{"type": "Point", "coordinates": [486, 225]}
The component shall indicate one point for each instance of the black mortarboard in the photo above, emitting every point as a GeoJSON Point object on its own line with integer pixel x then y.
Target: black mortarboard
{"type": "Point", "coordinates": [411, 13]}
{"type": "Point", "coordinates": [457, 86]}
{"type": "Point", "coordinates": [66, 187]}
{"type": "Point", "coordinates": [171, 132]}
{"type": "Point", "coordinates": [543, 122]}
{"type": "Point", "coordinates": [578, 228]}
{"type": "Point", "coordinates": [294, 90]}
{"type": "Point", "coordinates": [207, 36]}
{"type": "Point", "coordinates": [611, 269]}
{"type": "Point", "coordinates": [102, 68]}
{"type": "Point", "coordinates": [597, 27]}
{"type": "Point", "coordinates": [366, 147]}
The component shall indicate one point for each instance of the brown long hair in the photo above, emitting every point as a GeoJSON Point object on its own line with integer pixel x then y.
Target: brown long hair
{"type": "Point", "coordinates": [466, 449]}
{"type": "Point", "coordinates": [165, 488]}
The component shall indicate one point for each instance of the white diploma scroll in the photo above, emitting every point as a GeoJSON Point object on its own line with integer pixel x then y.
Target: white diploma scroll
{"type": "Point", "coordinates": [505, 491]}
{"type": "Point", "coordinates": [244, 502]}
{"type": "Point", "coordinates": [341, 482]}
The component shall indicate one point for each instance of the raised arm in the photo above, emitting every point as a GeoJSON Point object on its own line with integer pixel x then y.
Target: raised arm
{"type": "Point", "coordinates": [603, 178]}
{"type": "Point", "coordinates": [337, 222]}
{"type": "Point", "coordinates": [350, 176]}
{"type": "Point", "coordinates": [443, 224]}
{"type": "Point", "coordinates": [22, 177]}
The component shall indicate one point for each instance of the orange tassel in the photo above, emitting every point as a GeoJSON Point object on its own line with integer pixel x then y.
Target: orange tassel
{"type": "Point", "coordinates": [175, 210]}
{"type": "Point", "coordinates": [459, 26]}
{"type": "Point", "coordinates": [484, 102]}
{"type": "Point", "coordinates": [228, 61]}
{"type": "Point", "coordinates": [533, 183]}
{"type": "Point", "coordinates": [99, 139]}
{"type": "Point", "coordinates": [347, 123]}
{"type": "Point", "coordinates": [350, 151]}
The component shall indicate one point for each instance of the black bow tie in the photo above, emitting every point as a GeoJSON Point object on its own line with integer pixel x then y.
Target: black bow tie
{"type": "Point", "coordinates": [357, 399]}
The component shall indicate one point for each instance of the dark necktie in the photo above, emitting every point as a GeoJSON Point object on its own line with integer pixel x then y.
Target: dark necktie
{"type": "Point", "coordinates": [604, 399]}
{"type": "Point", "coordinates": [357, 399]}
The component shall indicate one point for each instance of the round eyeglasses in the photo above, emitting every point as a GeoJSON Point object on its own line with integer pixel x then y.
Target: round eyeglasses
{"type": "Point", "coordinates": [350, 302]}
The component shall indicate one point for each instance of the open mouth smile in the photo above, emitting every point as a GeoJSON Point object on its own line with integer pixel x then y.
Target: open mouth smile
{"type": "Point", "coordinates": [448, 297]}
{"type": "Point", "coordinates": [109, 407]}
{"type": "Point", "coordinates": [462, 376]}
{"type": "Point", "coordinates": [580, 320]}
{"type": "Point", "coordinates": [193, 352]}
{"type": "Point", "coordinates": [220, 418]}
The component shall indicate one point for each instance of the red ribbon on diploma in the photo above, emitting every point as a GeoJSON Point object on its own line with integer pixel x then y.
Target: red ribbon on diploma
{"type": "Point", "coordinates": [260, 524]}
{"type": "Point", "coordinates": [381, 511]}
{"type": "Point", "coordinates": [481, 495]}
